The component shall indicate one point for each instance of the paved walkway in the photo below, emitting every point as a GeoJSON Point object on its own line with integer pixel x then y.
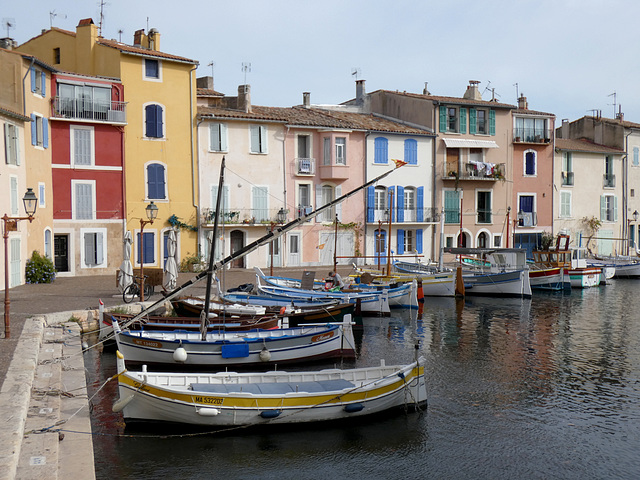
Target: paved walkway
{"type": "Point", "coordinates": [41, 363]}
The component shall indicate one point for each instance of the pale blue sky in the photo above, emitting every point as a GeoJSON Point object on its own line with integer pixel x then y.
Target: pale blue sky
{"type": "Point", "coordinates": [567, 56]}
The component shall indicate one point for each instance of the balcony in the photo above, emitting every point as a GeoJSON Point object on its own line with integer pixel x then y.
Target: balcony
{"type": "Point", "coordinates": [304, 166]}
{"type": "Point", "coordinates": [334, 172]}
{"type": "Point", "coordinates": [527, 219]}
{"type": "Point", "coordinates": [79, 109]}
{"type": "Point", "coordinates": [608, 180]}
{"type": "Point", "coordinates": [531, 135]}
{"type": "Point", "coordinates": [241, 216]}
{"type": "Point", "coordinates": [567, 179]}
{"type": "Point", "coordinates": [484, 216]}
{"type": "Point", "coordinates": [477, 171]}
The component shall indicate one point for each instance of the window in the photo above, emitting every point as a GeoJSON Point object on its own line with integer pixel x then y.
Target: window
{"type": "Point", "coordinates": [47, 244]}
{"type": "Point", "coordinates": [154, 127]}
{"type": "Point", "coordinates": [218, 137]}
{"type": "Point", "coordinates": [260, 203]}
{"type": "Point", "coordinates": [151, 69]}
{"type": "Point", "coordinates": [481, 121]}
{"type": "Point", "coordinates": [409, 204]}
{"type": "Point", "coordinates": [38, 82]}
{"type": "Point", "coordinates": [451, 206]}
{"type": "Point", "coordinates": [84, 200]}
{"type": "Point", "coordinates": [380, 203]}
{"type": "Point", "coordinates": [341, 151]}
{"type": "Point", "coordinates": [381, 150]}
{"type": "Point", "coordinates": [380, 241]}
{"type": "Point", "coordinates": [530, 162]}
{"type": "Point", "coordinates": [326, 157]}
{"type": "Point", "coordinates": [94, 248]}
{"type": "Point", "coordinates": [497, 241]}
{"type": "Point", "coordinates": [41, 195]}
{"type": "Point", "coordinates": [526, 211]}
{"type": "Point", "coordinates": [304, 199]}
{"type": "Point", "coordinates": [56, 56]}
{"type": "Point", "coordinates": [608, 208]}
{"type": "Point", "coordinates": [258, 138]}
{"type": "Point", "coordinates": [484, 206]}
{"type": "Point", "coordinates": [453, 119]}
{"type": "Point", "coordinates": [11, 144]}
{"type": "Point", "coordinates": [82, 146]}
{"type": "Point", "coordinates": [156, 182]}
{"type": "Point", "coordinates": [411, 151]}
{"type": "Point", "coordinates": [408, 242]}
{"type": "Point", "coordinates": [148, 248]}
{"type": "Point", "coordinates": [325, 195]}
{"type": "Point", "coordinates": [609, 180]}
{"type": "Point", "coordinates": [565, 204]}
{"type": "Point", "coordinates": [83, 101]}
{"type": "Point", "coordinates": [567, 169]}
{"type": "Point", "coordinates": [636, 155]}
{"type": "Point", "coordinates": [14, 195]}
{"type": "Point", "coordinates": [39, 131]}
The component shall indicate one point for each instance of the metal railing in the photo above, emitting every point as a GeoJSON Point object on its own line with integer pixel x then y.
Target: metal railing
{"type": "Point", "coordinates": [241, 216]}
{"type": "Point", "coordinates": [305, 166]}
{"type": "Point", "coordinates": [409, 215]}
{"type": "Point", "coordinates": [80, 109]}
{"type": "Point", "coordinates": [532, 135]}
{"type": "Point", "coordinates": [477, 171]}
{"type": "Point", "coordinates": [567, 178]}
{"type": "Point", "coordinates": [608, 180]}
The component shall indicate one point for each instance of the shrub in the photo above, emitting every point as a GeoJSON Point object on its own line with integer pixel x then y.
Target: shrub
{"type": "Point", "coordinates": [40, 269]}
{"type": "Point", "coordinates": [192, 263]}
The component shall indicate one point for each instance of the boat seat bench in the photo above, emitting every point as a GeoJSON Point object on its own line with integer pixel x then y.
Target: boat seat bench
{"type": "Point", "coordinates": [271, 388]}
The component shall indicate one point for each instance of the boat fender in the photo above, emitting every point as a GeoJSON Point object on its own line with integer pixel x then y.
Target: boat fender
{"type": "Point", "coordinates": [401, 375]}
{"type": "Point", "coordinates": [270, 413]}
{"type": "Point", "coordinates": [283, 310]}
{"type": "Point", "coordinates": [353, 407]}
{"type": "Point", "coordinates": [265, 355]}
{"type": "Point", "coordinates": [180, 355]}
{"type": "Point", "coordinates": [120, 404]}
{"type": "Point", "coordinates": [208, 412]}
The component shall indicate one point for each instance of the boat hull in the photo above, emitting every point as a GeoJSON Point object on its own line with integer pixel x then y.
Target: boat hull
{"type": "Point", "coordinates": [272, 398]}
{"type": "Point", "coordinates": [549, 279]}
{"type": "Point", "coordinates": [584, 277]}
{"type": "Point", "coordinates": [513, 284]}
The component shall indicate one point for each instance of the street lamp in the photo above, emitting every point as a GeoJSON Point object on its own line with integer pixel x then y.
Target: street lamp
{"type": "Point", "coordinates": [30, 202]}
{"type": "Point", "coordinates": [152, 214]}
{"type": "Point", "coordinates": [281, 217]}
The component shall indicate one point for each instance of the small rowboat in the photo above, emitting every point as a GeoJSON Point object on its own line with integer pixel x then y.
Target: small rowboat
{"type": "Point", "coordinates": [229, 399]}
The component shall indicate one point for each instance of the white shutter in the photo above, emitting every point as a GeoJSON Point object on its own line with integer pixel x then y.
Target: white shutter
{"type": "Point", "coordinates": [14, 196]}
{"type": "Point", "coordinates": [255, 139]}
{"type": "Point", "coordinates": [319, 218]}
{"type": "Point", "coordinates": [99, 249]}
{"type": "Point", "coordinates": [84, 202]}
{"type": "Point", "coordinates": [89, 249]}
{"type": "Point", "coordinates": [260, 203]}
{"type": "Point", "coordinates": [339, 205]}
{"type": "Point", "coordinates": [214, 137]}
{"type": "Point", "coordinates": [223, 137]}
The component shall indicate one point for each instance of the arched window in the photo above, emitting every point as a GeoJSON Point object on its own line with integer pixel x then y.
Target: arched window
{"type": "Point", "coordinates": [530, 161]}
{"type": "Point", "coordinates": [154, 115]}
{"type": "Point", "coordinates": [156, 182]}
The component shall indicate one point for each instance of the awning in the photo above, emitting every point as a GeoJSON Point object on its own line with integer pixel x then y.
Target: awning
{"type": "Point", "coordinates": [469, 143]}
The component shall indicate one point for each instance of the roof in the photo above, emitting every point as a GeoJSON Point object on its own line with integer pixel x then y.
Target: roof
{"type": "Point", "coordinates": [146, 52]}
{"type": "Point", "coordinates": [12, 114]}
{"type": "Point", "coordinates": [526, 111]}
{"type": "Point", "coordinates": [207, 92]}
{"type": "Point", "coordinates": [584, 146]}
{"type": "Point", "coordinates": [36, 60]}
{"type": "Point", "coordinates": [617, 121]}
{"type": "Point", "coordinates": [448, 100]}
{"type": "Point", "coordinates": [314, 118]}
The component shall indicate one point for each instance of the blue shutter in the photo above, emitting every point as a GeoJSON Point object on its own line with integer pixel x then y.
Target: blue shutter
{"type": "Point", "coordinates": [381, 153]}
{"type": "Point", "coordinates": [411, 151]}
{"type": "Point", "coordinates": [492, 122]}
{"type": "Point", "coordinates": [443, 119]}
{"type": "Point", "coordinates": [419, 240]}
{"type": "Point", "coordinates": [370, 203]}
{"type": "Point", "coordinates": [473, 113]}
{"type": "Point", "coordinates": [529, 163]}
{"type": "Point", "coordinates": [43, 84]}
{"type": "Point", "coordinates": [400, 236]}
{"type": "Point", "coordinates": [400, 204]}
{"type": "Point", "coordinates": [34, 130]}
{"type": "Point", "coordinates": [420, 204]}
{"type": "Point", "coordinates": [150, 120]}
{"type": "Point", "coordinates": [147, 247]}
{"type": "Point", "coordinates": [33, 79]}
{"type": "Point", "coordinates": [159, 119]}
{"type": "Point", "coordinates": [463, 120]}
{"type": "Point", "coordinates": [45, 132]}
{"type": "Point", "coordinates": [155, 181]}
{"type": "Point", "coordinates": [389, 204]}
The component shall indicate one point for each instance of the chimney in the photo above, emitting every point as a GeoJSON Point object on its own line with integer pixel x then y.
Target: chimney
{"type": "Point", "coordinates": [205, 82]}
{"type": "Point", "coordinates": [620, 115]}
{"type": "Point", "coordinates": [425, 91]}
{"type": "Point", "coordinates": [564, 132]}
{"type": "Point", "coordinates": [472, 92]}
{"type": "Point", "coordinates": [154, 39]}
{"type": "Point", "coordinates": [522, 103]}
{"type": "Point", "coordinates": [138, 38]}
{"type": "Point", "coordinates": [244, 98]}
{"type": "Point", "coordinates": [8, 43]}
{"type": "Point", "coordinates": [306, 99]}
{"type": "Point", "coordinates": [360, 92]}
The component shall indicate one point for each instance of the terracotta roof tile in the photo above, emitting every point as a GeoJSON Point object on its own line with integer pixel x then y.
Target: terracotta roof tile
{"type": "Point", "coordinates": [16, 115]}
{"type": "Point", "coordinates": [584, 146]}
{"type": "Point", "coordinates": [451, 100]}
{"type": "Point", "coordinates": [524, 111]}
{"type": "Point", "coordinates": [147, 52]}
{"type": "Point", "coordinates": [207, 92]}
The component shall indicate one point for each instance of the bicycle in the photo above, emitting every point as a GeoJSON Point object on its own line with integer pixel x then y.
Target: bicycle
{"type": "Point", "coordinates": [133, 290]}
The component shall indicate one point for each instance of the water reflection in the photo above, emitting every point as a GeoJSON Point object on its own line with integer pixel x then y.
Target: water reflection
{"type": "Point", "coordinates": [537, 388]}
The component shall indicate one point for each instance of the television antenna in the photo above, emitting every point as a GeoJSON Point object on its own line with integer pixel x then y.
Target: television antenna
{"type": "Point", "coordinates": [246, 68]}
{"type": "Point", "coordinates": [52, 15]}
{"type": "Point", "coordinates": [102, 5]}
{"type": "Point", "coordinates": [9, 23]}
{"type": "Point", "coordinates": [486, 88]}
{"type": "Point", "coordinates": [614, 95]}
{"type": "Point", "coordinates": [211, 64]}
{"type": "Point", "coordinates": [355, 72]}
{"type": "Point", "coordinates": [120, 32]}
{"type": "Point", "coordinates": [517, 93]}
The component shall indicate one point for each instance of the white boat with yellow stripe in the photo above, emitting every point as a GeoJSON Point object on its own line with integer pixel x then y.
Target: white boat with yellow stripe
{"type": "Point", "coordinates": [230, 399]}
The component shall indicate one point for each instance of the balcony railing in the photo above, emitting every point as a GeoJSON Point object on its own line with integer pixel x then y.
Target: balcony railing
{"type": "Point", "coordinates": [527, 219]}
{"type": "Point", "coordinates": [484, 216]}
{"type": "Point", "coordinates": [567, 178]}
{"type": "Point", "coordinates": [531, 135]}
{"type": "Point", "coordinates": [411, 215]}
{"type": "Point", "coordinates": [305, 166]}
{"type": "Point", "coordinates": [608, 180]}
{"type": "Point", "coordinates": [477, 171]}
{"type": "Point", "coordinates": [241, 216]}
{"type": "Point", "coordinates": [79, 109]}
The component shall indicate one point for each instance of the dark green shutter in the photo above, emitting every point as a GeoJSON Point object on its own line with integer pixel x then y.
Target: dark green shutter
{"type": "Point", "coordinates": [443, 119]}
{"type": "Point", "coordinates": [492, 122]}
{"type": "Point", "coordinates": [473, 113]}
{"type": "Point", "coordinates": [463, 120]}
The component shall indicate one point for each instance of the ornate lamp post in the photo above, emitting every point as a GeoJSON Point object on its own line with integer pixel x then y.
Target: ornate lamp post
{"type": "Point", "coordinates": [152, 214]}
{"type": "Point", "coordinates": [11, 225]}
{"type": "Point", "coordinates": [281, 217]}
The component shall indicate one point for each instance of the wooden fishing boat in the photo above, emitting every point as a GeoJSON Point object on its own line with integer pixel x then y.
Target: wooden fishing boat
{"type": "Point", "coordinates": [548, 278]}
{"type": "Point", "coordinates": [571, 260]}
{"type": "Point", "coordinates": [625, 267]}
{"type": "Point", "coordinates": [229, 399]}
{"type": "Point", "coordinates": [246, 348]}
{"type": "Point", "coordinates": [229, 323]}
{"type": "Point", "coordinates": [434, 283]}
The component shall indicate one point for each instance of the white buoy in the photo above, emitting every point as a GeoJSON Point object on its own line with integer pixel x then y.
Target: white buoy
{"type": "Point", "coordinates": [120, 404]}
{"type": "Point", "coordinates": [180, 355]}
{"type": "Point", "coordinates": [208, 411]}
{"type": "Point", "coordinates": [265, 355]}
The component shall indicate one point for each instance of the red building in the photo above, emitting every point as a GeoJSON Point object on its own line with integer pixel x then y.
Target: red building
{"type": "Point", "coordinates": [87, 119]}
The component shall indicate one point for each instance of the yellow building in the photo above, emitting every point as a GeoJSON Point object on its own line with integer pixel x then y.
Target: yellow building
{"type": "Point", "coordinates": [160, 92]}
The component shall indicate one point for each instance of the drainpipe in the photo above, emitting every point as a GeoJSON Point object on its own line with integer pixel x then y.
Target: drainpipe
{"type": "Point", "coordinates": [24, 95]}
{"type": "Point", "coordinates": [193, 158]}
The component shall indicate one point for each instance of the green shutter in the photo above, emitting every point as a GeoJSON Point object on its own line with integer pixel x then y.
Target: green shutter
{"type": "Point", "coordinates": [443, 119]}
{"type": "Point", "coordinates": [473, 114]}
{"type": "Point", "coordinates": [462, 128]}
{"type": "Point", "coordinates": [492, 122]}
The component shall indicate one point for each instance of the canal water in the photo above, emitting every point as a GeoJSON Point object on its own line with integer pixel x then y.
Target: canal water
{"type": "Point", "coordinates": [547, 387]}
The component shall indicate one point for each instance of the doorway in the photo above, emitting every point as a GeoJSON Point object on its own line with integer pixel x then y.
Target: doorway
{"type": "Point", "coordinates": [237, 243]}
{"type": "Point", "coordinates": [61, 252]}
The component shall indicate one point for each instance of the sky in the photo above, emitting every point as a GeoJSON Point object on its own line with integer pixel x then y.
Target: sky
{"type": "Point", "coordinates": [568, 57]}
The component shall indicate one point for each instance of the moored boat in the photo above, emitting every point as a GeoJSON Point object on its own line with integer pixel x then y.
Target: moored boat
{"type": "Point", "coordinates": [245, 399]}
